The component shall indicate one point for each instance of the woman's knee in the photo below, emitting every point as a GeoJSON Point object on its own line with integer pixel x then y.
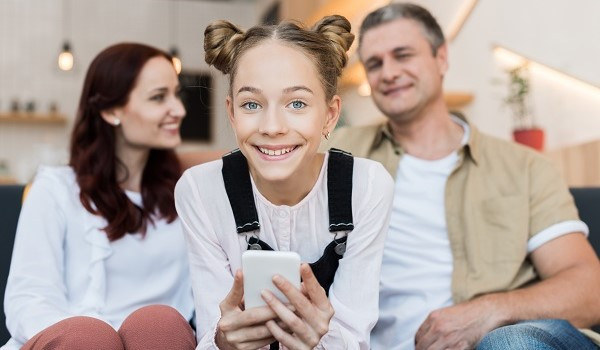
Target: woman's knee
{"type": "Point", "coordinates": [80, 332]}
{"type": "Point", "coordinates": [156, 326]}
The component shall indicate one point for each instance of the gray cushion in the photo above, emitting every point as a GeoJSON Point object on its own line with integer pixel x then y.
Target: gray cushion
{"type": "Point", "coordinates": [10, 207]}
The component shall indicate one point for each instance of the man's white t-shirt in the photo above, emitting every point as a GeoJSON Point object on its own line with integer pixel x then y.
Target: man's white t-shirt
{"type": "Point", "coordinates": [416, 272]}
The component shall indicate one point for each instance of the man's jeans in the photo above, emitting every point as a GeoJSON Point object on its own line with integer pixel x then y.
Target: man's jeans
{"type": "Point", "coordinates": [537, 335]}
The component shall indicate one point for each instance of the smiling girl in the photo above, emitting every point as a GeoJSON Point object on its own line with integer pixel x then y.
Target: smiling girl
{"type": "Point", "coordinates": [278, 192]}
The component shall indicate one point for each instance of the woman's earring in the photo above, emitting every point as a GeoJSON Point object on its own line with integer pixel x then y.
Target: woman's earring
{"type": "Point", "coordinates": [116, 122]}
{"type": "Point", "coordinates": [327, 135]}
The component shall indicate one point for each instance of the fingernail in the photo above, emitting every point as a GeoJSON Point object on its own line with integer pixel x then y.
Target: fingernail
{"type": "Point", "coordinates": [277, 279]}
{"type": "Point", "coordinates": [266, 295]}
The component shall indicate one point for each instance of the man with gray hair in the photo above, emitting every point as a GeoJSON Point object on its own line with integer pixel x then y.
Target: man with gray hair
{"type": "Point", "coordinates": [485, 247]}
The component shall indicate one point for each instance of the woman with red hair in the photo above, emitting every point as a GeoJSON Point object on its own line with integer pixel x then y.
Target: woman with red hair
{"type": "Point", "coordinates": [99, 245]}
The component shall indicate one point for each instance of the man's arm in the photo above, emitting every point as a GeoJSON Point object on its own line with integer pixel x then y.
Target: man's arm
{"type": "Point", "coordinates": [570, 284]}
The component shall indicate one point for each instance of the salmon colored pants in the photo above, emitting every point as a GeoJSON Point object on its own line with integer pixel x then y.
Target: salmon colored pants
{"type": "Point", "coordinates": [150, 327]}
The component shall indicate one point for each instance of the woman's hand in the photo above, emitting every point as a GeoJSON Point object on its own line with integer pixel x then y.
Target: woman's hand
{"type": "Point", "coordinates": [241, 329]}
{"type": "Point", "coordinates": [313, 312]}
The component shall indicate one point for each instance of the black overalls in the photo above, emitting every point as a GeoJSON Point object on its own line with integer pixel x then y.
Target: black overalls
{"type": "Point", "coordinates": [236, 177]}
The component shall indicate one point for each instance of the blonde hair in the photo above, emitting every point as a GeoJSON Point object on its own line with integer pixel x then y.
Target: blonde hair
{"type": "Point", "coordinates": [325, 43]}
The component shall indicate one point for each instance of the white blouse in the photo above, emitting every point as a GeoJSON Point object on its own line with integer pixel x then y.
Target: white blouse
{"type": "Point", "coordinates": [63, 264]}
{"type": "Point", "coordinates": [215, 248]}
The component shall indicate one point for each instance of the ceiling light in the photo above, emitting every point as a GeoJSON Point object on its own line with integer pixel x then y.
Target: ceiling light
{"type": "Point", "coordinates": [65, 58]}
{"type": "Point", "coordinates": [176, 60]}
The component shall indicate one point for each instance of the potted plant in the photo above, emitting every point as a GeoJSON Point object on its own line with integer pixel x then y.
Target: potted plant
{"type": "Point", "coordinates": [525, 131]}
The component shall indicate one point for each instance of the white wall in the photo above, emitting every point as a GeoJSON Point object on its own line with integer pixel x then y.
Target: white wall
{"type": "Point", "coordinates": [561, 34]}
{"type": "Point", "coordinates": [31, 36]}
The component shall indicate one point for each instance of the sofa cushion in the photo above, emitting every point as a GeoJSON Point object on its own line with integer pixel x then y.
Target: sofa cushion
{"type": "Point", "coordinates": [10, 207]}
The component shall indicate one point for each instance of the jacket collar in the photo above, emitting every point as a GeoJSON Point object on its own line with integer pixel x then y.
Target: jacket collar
{"type": "Point", "coordinates": [384, 133]}
{"type": "Point", "coordinates": [472, 147]}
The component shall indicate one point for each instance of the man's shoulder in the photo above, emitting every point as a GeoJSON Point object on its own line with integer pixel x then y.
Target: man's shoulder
{"type": "Point", "coordinates": [494, 149]}
{"type": "Point", "coordinates": [357, 140]}
{"type": "Point", "coordinates": [358, 131]}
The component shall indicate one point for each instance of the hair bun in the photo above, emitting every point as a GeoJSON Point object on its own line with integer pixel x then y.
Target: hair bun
{"type": "Point", "coordinates": [336, 29]}
{"type": "Point", "coordinates": [221, 39]}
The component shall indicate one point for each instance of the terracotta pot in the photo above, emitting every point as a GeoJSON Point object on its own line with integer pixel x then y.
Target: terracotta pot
{"type": "Point", "coordinates": [533, 138]}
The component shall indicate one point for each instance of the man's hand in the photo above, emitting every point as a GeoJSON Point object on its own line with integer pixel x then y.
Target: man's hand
{"type": "Point", "coordinates": [459, 327]}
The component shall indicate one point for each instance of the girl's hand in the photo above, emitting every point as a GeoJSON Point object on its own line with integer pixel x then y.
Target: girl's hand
{"type": "Point", "coordinates": [241, 329]}
{"type": "Point", "coordinates": [313, 311]}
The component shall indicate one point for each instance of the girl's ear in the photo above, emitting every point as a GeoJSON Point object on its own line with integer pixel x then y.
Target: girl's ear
{"type": "Point", "coordinates": [333, 114]}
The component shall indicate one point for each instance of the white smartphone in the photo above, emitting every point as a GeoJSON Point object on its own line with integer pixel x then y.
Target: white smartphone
{"type": "Point", "coordinates": [259, 267]}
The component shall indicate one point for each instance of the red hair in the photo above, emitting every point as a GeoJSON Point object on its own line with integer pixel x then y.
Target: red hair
{"type": "Point", "coordinates": [108, 82]}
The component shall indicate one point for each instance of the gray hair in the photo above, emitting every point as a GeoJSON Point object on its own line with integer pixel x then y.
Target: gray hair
{"type": "Point", "coordinates": [393, 11]}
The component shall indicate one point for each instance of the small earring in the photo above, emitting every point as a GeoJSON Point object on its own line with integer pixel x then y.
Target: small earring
{"type": "Point", "coordinates": [116, 122]}
{"type": "Point", "coordinates": [327, 135]}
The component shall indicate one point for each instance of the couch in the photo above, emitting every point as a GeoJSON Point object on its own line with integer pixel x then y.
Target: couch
{"type": "Point", "coordinates": [10, 207]}
{"type": "Point", "coordinates": [586, 199]}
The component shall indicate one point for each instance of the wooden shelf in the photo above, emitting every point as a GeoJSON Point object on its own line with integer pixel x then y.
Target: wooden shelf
{"type": "Point", "coordinates": [457, 99]}
{"type": "Point", "coordinates": [353, 75]}
{"type": "Point", "coordinates": [33, 118]}
{"type": "Point", "coordinates": [7, 180]}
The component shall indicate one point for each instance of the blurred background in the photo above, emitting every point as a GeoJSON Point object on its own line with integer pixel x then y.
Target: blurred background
{"type": "Point", "coordinates": [524, 69]}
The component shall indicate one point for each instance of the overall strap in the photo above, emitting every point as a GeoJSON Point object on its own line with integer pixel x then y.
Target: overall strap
{"type": "Point", "coordinates": [239, 191]}
{"type": "Point", "coordinates": [339, 188]}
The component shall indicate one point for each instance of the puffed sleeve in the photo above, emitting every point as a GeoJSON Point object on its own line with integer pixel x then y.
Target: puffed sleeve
{"type": "Point", "coordinates": [354, 293]}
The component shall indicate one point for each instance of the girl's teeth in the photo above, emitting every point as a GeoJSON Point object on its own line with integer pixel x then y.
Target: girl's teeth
{"type": "Point", "coordinates": [277, 152]}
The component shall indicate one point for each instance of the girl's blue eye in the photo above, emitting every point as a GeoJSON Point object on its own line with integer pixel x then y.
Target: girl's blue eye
{"type": "Point", "coordinates": [250, 105]}
{"type": "Point", "coordinates": [298, 104]}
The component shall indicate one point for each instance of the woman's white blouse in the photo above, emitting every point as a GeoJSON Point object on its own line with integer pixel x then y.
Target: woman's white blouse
{"type": "Point", "coordinates": [215, 248]}
{"type": "Point", "coordinates": [63, 264]}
